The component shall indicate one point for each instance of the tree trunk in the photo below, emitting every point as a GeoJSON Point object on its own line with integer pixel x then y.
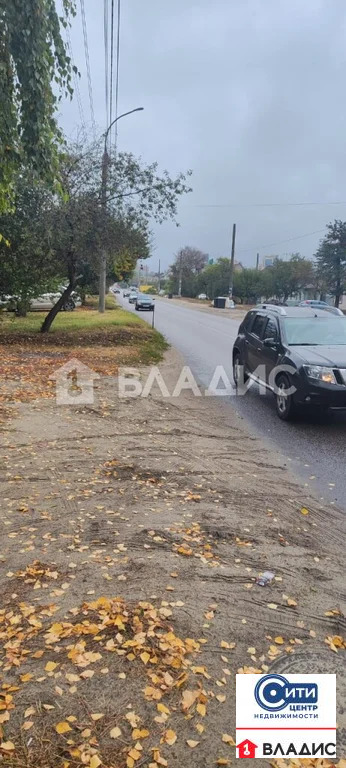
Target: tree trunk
{"type": "Point", "coordinates": [22, 307]}
{"type": "Point", "coordinates": [57, 307]}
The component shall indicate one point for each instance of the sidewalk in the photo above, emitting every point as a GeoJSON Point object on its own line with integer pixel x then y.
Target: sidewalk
{"type": "Point", "coordinates": [172, 507]}
{"type": "Point", "coordinates": [205, 306]}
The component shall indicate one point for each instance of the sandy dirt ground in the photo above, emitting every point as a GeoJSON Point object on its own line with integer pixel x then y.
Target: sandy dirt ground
{"type": "Point", "coordinates": [205, 306]}
{"type": "Point", "coordinates": [133, 530]}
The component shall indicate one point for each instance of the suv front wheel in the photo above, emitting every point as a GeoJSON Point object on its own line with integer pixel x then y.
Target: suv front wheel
{"type": "Point", "coordinates": [285, 406]}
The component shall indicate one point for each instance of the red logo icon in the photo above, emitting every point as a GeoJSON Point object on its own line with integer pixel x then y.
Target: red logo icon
{"type": "Point", "coordinates": [246, 749]}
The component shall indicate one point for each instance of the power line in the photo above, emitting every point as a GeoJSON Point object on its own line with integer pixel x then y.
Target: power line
{"type": "Point", "coordinates": [105, 32]}
{"type": "Point", "coordinates": [117, 71]}
{"type": "Point", "coordinates": [76, 83]}
{"type": "Point", "coordinates": [263, 205]}
{"type": "Point", "coordinates": [87, 61]}
{"type": "Point", "coordinates": [111, 78]}
{"type": "Point", "coordinates": [280, 242]}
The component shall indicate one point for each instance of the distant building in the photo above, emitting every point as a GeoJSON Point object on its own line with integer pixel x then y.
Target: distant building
{"type": "Point", "coordinates": [268, 261]}
{"type": "Point", "coordinates": [238, 267]}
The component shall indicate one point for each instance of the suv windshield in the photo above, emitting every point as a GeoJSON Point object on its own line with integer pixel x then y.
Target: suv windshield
{"type": "Point", "coordinates": [318, 330]}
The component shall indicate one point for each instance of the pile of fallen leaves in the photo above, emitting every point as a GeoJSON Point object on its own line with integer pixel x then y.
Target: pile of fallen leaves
{"type": "Point", "coordinates": [71, 652]}
{"type": "Point", "coordinates": [195, 543]}
{"type": "Point", "coordinates": [25, 374]}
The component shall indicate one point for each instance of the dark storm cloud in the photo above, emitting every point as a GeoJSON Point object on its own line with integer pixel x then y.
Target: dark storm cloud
{"type": "Point", "coordinates": [247, 93]}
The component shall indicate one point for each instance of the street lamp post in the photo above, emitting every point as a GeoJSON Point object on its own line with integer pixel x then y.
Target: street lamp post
{"type": "Point", "coordinates": [104, 182]}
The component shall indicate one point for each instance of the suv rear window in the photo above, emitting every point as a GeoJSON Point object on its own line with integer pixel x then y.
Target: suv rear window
{"type": "Point", "coordinates": [259, 323]}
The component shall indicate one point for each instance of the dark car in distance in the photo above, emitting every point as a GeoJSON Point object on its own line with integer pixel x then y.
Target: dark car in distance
{"type": "Point", "coordinates": [144, 302]}
{"type": "Point", "coordinates": [297, 352]}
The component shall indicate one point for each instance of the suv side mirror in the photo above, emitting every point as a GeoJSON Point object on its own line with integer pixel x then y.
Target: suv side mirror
{"type": "Point", "coordinates": [270, 342]}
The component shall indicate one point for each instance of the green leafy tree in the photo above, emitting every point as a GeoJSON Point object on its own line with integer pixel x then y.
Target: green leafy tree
{"type": "Point", "coordinates": [32, 57]}
{"type": "Point", "coordinates": [26, 266]}
{"type": "Point", "coordinates": [189, 263]}
{"type": "Point", "coordinates": [288, 278]}
{"type": "Point", "coordinates": [331, 259]}
{"type": "Point", "coordinates": [136, 195]}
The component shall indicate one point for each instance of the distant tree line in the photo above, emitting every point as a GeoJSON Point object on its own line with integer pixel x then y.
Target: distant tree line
{"type": "Point", "coordinates": [322, 276]}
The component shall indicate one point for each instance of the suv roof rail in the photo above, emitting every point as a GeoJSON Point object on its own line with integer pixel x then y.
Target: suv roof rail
{"type": "Point", "coordinates": [273, 308]}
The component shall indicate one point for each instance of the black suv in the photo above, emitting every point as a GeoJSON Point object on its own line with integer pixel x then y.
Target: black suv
{"type": "Point", "coordinates": [297, 352]}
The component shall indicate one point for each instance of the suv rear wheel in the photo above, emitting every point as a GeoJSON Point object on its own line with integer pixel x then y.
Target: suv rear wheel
{"type": "Point", "coordinates": [239, 374]}
{"type": "Point", "coordinates": [285, 406]}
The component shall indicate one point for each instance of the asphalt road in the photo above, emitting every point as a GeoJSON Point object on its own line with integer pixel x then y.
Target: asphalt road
{"type": "Point", "coordinates": [314, 450]}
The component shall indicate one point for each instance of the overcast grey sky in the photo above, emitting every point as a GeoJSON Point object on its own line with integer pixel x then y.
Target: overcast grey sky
{"type": "Point", "coordinates": [249, 94]}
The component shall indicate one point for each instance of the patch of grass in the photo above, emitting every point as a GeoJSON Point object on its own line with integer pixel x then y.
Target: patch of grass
{"type": "Point", "coordinates": [92, 302]}
{"type": "Point", "coordinates": [103, 342]}
{"type": "Point", "coordinates": [81, 320]}
{"type": "Point", "coordinates": [153, 347]}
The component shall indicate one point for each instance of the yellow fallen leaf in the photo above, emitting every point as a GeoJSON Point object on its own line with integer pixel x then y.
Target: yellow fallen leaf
{"type": "Point", "coordinates": [134, 753]}
{"type": "Point", "coordinates": [4, 717]}
{"type": "Point", "coordinates": [162, 708]}
{"type": "Point", "coordinates": [201, 709]}
{"type": "Point", "coordinates": [62, 727]}
{"type": "Point", "coordinates": [227, 739]}
{"type": "Point", "coordinates": [279, 640]}
{"type": "Point", "coordinates": [170, 737]}
{"type": "Point", "coordinates": [221, 698]}
{"type": "Point", "coordinates": [7, 746]}
{"type": "Point", "coordinates": [95, 762]}
{"type": "Point", "coordinates": [191, 743]}
{"type": "Point", "coordinates": [272, 606]}
{"type": "Point", "coordinates": [291, 602]}
{"type": "Point", "coordinates": [140, 733]}
{"type": "Point", "coordinates": [29, 711]}
{"type": "Point", "coordinates": [222, 761]}
{"type": "Point", "coordinates": [189, 698]}
{"type": "Point", "coordinates": [27, 725]}
{"type": "Point", "coordinates": [50, 666]}
{"type": "Point", "coordinates": [145, 656]}
{"type": "Point", "coordinates": [97, 716]}
{"type": "Point", "coordinates": [25, 679]}
{"type": "Point", "coordinates": [304, 511]}
{"type": "Point", "coordinates": [199, 727]}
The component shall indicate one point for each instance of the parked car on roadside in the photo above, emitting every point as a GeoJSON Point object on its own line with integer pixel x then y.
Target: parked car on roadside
{"type": "Point", "coordinates": [315, 304]}
{"type": "Point", "coordinates": [310, 342]}
{"type": "Point", "coordinates": [43, 303]}
{"type": "Point", "coordinates": [144, 302]}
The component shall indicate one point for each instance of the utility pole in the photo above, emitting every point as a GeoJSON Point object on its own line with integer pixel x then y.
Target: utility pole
{"type": "Point", "coordinates": [104, 184]}
{"type": "Point", "coordinates": [257, 262]}
{"type": "Point", "coordinates": [103, 260]}
{"type": "Point", "coordinates": [231, 269]}
{"type": "Point", "coordinates": [159, 275]}
{"type": "Point", "coordinates": [180, 274]}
